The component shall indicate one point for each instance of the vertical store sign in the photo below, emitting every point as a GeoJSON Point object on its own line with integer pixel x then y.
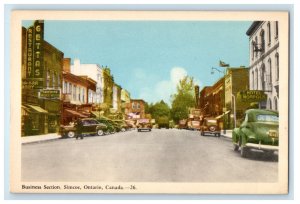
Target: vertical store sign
{"type": "Point", "coordinates": [38, 49]}
{"type": "Point", "coordinates": [30, 50]}
{"type": "Point", "coordinates": [35, 60]}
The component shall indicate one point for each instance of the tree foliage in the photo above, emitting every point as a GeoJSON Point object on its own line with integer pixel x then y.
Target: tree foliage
{"type": "Point", "coordinates": [158, 109]}
{"type": "Point", "coordinates": [183, 99]}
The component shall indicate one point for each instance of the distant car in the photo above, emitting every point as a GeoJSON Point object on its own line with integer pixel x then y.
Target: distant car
{"type": "Point", "coordinates": [182, 124]}
{"type": "Point", "coordinates": [259, 131]}
{"type": "Point", "coordinates": [194, 125]}
{"type": "Point", "coordinates": [210, 126]}
{"type": "Point", "coordinates": [84, 126]}
{"type": "Point", "coordinates": [144, 124]}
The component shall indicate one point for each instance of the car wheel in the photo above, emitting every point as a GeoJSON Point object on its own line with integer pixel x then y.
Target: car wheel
{"type": "Point", "coordinates": [235, 147]}
{"type": "Point", "coordinates": [100, 132]}
{"type": "Point", "coordinates": [71, 134]}
{"type": "Point", "coordinates": [244, 151]}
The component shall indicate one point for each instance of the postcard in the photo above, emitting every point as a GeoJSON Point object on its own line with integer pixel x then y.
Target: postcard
{"type": "Point", "coordinates": [177, 102]}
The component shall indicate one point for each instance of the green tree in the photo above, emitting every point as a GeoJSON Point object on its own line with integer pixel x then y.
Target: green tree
{"type": "Point", "coordinates": [159, 109]}
{"type": "Point", "coordinates": [183, 99]}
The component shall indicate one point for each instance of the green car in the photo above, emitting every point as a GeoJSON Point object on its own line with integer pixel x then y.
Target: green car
{"type": "Point", "coordinates": [110, 126]}
{"type": "Point", "coordinates": [259, 131]}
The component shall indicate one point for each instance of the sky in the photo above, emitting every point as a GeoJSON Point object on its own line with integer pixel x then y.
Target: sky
{"type": "Point", "coordinates": [148, 58]}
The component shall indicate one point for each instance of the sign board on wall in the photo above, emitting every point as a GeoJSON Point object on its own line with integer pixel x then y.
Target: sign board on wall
{"type": "Point", "coordinates": [251, 96]}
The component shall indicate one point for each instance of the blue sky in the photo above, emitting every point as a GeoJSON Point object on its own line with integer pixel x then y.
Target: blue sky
{"type": "Point", "coordinates": [149, 57]}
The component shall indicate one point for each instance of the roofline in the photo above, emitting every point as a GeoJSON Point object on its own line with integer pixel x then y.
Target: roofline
{"type": "Point", "coordinates": [253, 27]}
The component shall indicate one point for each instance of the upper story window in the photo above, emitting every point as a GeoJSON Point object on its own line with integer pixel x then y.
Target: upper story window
{"type": "Point", "coordinates": [276, 29]}
{"type": "Point", "coordinates": [262, 41]}
{"type": "Point", "coordinates": [277, 66]}
{"type": "Point", "coordinates": [269, 33]}
{"type": "Point", "coordinates": [256, 42]}
{"type": "Point", "coordinates": [48, 79]}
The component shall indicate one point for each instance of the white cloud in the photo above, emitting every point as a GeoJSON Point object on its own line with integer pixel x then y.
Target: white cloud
{"type": "Point", "coordinates": [162, 90]}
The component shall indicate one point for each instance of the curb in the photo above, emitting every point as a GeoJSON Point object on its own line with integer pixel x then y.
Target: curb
{"type": "Point", "coordinates": [41, 141]}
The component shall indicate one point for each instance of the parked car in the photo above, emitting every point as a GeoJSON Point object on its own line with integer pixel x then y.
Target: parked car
{"type": "Point", "coordinates": [182, 124]}
{"type": "Point", "coordinates": [68, 130]}
{"type": "Point", "coordinates": [144, 124]}
{"type": "Point", "coordinates": [84, 126]}
{"type": "Point", "coordinates": [259, 131]}
{"type": "Point", "coordinates": [194, 125]}
{"type": "Point", "coordinates": [210, 126]}
{"type": "Point", "coordinates": [122, 125]}
{"type": "Point", "coordinates": [110, 127]}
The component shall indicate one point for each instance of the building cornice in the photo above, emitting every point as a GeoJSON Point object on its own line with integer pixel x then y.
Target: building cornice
{"type": "Point", "coordinates": [253, 27]}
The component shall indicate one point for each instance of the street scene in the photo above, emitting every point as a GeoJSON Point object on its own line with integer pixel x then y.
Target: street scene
{"type": "Point", "coordinates": [161, 155]}
{"type": "Point", "coordinates": [150, 102]}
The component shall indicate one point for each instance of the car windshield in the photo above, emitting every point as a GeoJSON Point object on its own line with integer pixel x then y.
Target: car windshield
{"type": "Point", "coordinates": [267, 118]}
{"type": "Point", "coordinates": [211, 122]}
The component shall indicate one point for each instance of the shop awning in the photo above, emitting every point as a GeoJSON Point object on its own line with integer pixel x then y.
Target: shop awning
{"type": "Point", "coordinates": [37, 109]}
{"type": "Point", "coordinates": [75, 113]}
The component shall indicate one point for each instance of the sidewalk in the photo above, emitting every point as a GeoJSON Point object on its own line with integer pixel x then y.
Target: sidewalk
{"type": "Point", "coordinates": [40, 138]}
{"type": "Point", "coordinates": [228, 133]}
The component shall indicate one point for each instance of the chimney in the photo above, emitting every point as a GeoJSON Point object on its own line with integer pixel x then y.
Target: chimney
{"type": "Point", "coordinates": [197, 96]}
{"type": "Point", "coordinates": [67, 65]}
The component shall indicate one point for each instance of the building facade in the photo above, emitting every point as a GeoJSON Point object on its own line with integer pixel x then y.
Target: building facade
{"type": "Point", "coordinates": [125, 101]}
{"type": "Point", "coordinates": [93, 71]}
{"type": "Point", "coordinates": [236, 80]}
{"type": "Point", "coordinates": [136, 109]}
{"type": "Point", "coordinates": [41, 69]}
{"type": "Point", "coordinates": [264, 61]}
{"type": "Point", "coordinates": [79, 93]}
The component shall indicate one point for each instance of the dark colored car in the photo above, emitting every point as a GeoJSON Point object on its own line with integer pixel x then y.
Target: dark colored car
{"type": "Point", "coordinates": [84, 126]}
{"type": "Point", "coordinates": [144, 124]}
{"type": "Point", "coordinates": [210, 126]}
{"type": "Point", "coordinates": [259, 131]}
{"type": "Point", "coordinates": [110, 126]}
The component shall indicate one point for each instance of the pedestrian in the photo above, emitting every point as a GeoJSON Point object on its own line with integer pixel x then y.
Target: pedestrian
{"type": "Point", "coordinates": [78, 128]}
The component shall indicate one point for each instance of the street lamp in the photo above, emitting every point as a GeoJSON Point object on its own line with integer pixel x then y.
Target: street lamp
{"type": "Point", "coordinates": [224, 103]}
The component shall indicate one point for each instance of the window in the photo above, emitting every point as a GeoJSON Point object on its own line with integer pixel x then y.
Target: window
{"type": "Point", "coordinates": [263, 78]}
{"type": "Point", "coordinates": [53, 79]}
{"type": "Point", "coordinates": [253, 49]}
{"type": "Point", "coordinates": [70, 88]}
{"type": "Point", "coordinates": [267, 118]}
{"type": "Point", "coordinates": [256, 79]}
{"type": "Point", "coordinates": [262, 41]}
{"type": "Point", "coordinates": [256, 42]}
{"type": "Point", "coordinates": [79, 93]}
{"type": "Point", "coordinates": [276, 29]}
{"type": "Point", "coordinates": [65, 90]}
{"type": "Point", "coordinates": [252, 85]}
{"type": "Point", "coordinates": [270, 75]}
{"type": "Point", "coordinates": [58, 80]}
{"type": "Point", "coordinates": [277, 66]}
{"type": "Point", "coordinates": [275, 103]}
{"type": "Point", "coordinates": [74, 92]}
{"type": "Point", "coordinates": [269, 33]}
{"type": "Point", "coordinates": [48, 79]}
{"type": "Point", "coordinates": [138, 105]}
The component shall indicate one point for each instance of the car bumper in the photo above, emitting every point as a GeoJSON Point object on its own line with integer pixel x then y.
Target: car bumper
{"type": "Point", "coordinates": [262, 147]}
{"type": "Point", "coordinates": [211, 132]}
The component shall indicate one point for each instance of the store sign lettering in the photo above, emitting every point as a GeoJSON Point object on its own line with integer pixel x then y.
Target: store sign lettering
{"type": "Point", "coordinates": [50, 94]}
{"type": "Point", "coordinates": [251, 96]}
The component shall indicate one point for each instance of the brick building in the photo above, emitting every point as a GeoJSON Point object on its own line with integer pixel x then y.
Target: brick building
{"type": "Point", "coordinates": [41, 69]}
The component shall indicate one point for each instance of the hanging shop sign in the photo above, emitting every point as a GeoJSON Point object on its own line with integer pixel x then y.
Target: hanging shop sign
{"type": "Point", "coordinates": [251, 96]}
{"type": "Point", "coordinates": [49, 94]}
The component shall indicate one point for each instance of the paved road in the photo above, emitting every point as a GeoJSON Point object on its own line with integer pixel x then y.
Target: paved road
{"type": "Point", "coordinates": [156, 156]}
